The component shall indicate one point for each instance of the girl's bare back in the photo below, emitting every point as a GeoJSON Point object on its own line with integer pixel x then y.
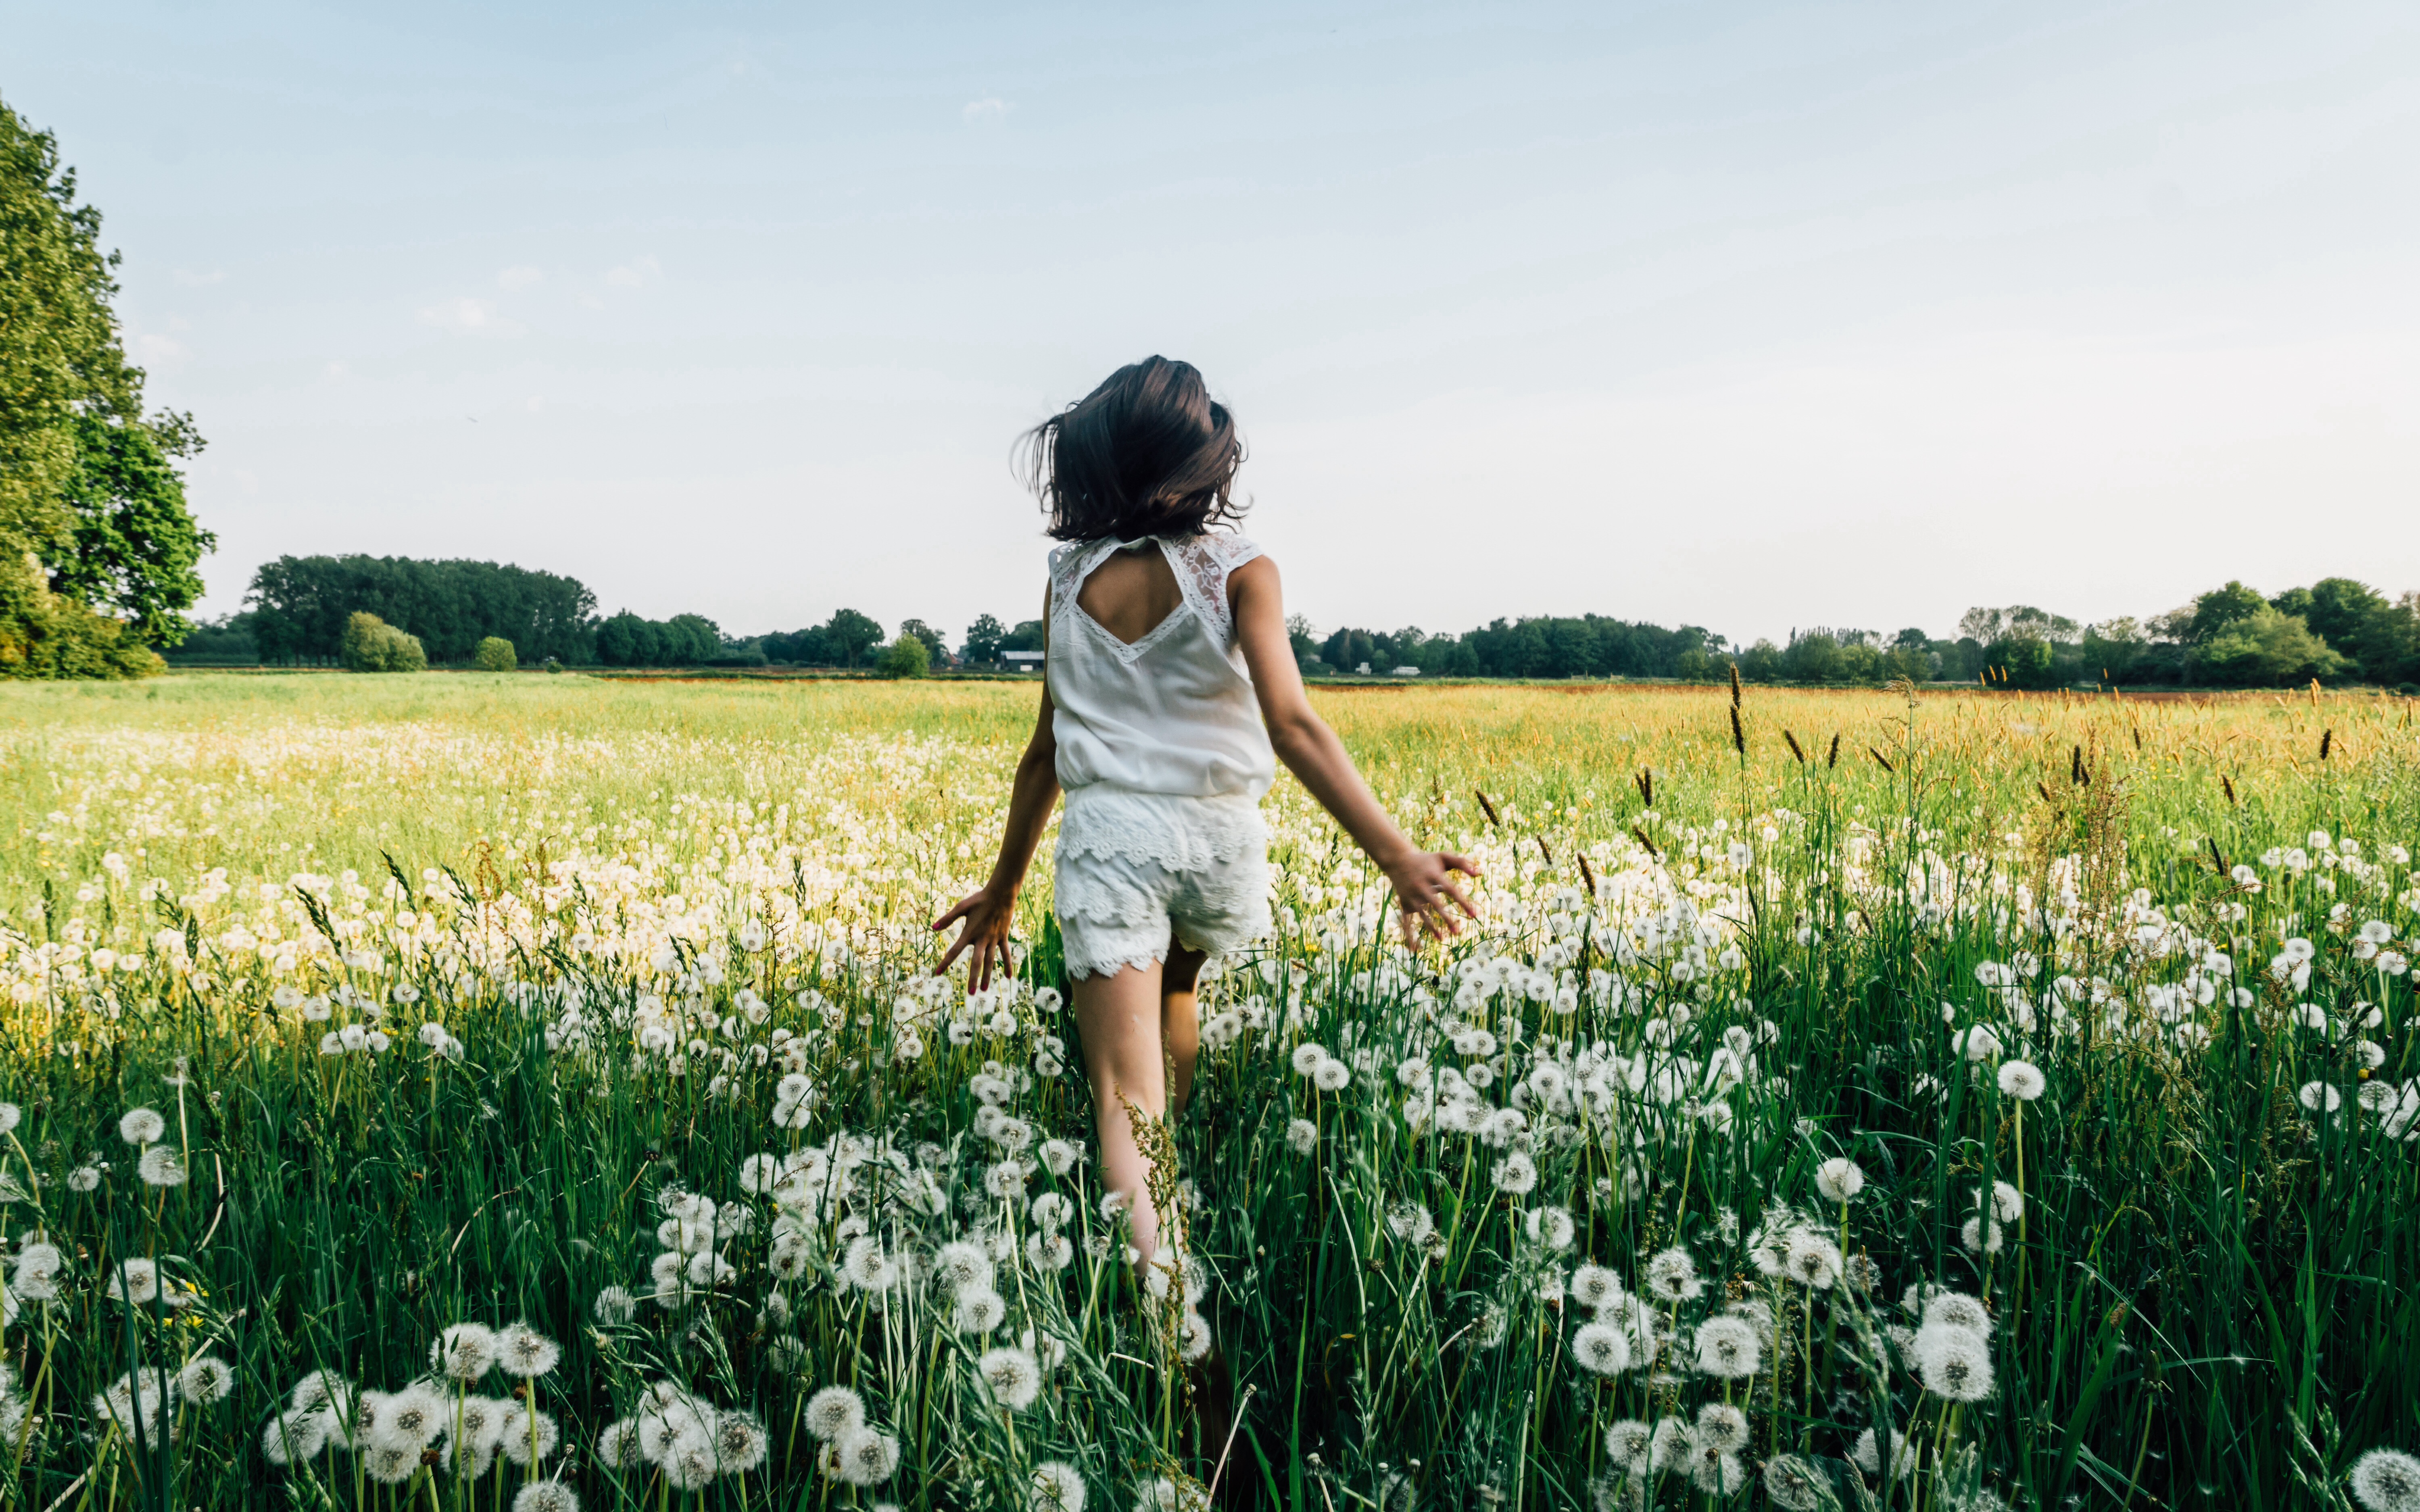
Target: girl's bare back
{"type": "Point", "coordinates": [1130, 593]}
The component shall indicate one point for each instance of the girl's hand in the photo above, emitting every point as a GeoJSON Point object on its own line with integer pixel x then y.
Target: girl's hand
{"type": "Point", "coordinates": [1423, 880]}
{"type": "Point", "coordinates": [987, 919]}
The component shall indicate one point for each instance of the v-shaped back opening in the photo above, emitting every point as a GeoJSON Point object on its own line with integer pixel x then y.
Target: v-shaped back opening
{"type": "Point", "coordinates": [1166, 575]}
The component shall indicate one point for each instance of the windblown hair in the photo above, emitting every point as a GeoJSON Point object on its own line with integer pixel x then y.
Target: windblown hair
{"type": "Point", "coordinates": [1148, 452]}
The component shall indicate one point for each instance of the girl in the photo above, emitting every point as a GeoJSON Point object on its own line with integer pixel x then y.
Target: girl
{"type": "Point", "coordinates": [1170, 682]}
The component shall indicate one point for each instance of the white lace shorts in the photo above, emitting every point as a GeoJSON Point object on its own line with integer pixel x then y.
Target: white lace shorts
{"type": "Point", "coordinates": [1136, 872]}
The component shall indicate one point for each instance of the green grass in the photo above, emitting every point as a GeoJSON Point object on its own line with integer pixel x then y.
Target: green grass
{"type": "Point", "coordinates": [2202, 1301]}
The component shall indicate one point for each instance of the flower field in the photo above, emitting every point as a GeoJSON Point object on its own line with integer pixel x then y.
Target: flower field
{"type": "Point", "coordinates": [477, 1092]}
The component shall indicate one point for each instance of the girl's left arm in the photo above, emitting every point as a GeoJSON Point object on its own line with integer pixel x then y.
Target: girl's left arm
{"type": "Point", "coordinates": [989, 912]}
{"type": "Point", "coordinates": [1423, 880]}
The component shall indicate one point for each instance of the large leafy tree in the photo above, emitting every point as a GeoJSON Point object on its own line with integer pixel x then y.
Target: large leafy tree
{"type": "Point", "coordinates": [92, 515]}
{"type": "Point", "coordinates": [136, 545]}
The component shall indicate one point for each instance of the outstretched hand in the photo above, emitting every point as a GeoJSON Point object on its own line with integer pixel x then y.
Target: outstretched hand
{"type": "Point", "coordinates": [1423, 880]}
{"type": "Point", "coordinates": [987, 919]}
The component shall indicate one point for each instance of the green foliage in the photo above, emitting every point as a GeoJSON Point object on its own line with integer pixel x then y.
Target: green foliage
{"type": "Point", "coordinates": [495, 654]}
{"type": "Point", "coordinates": [2218, 608]}
{"type": "Point", "coordinates": [48, 635]}
{"type": "Point", "coordinates": [908, 657]}
{"type": "Point", "coordinates": [301, 606]}
{"type": "Point", "coordinates": [372, 645]}
{"type": "Point", "coordinates": [841, 641]}
{"type": "Point", "coordinates": [2264, 649]}
{"type": "Point", "coordinates": [984, 637]}
{"type": "Point", "coordinates": [223, 642]}
{"type": "Point", "coordinates": [936, 653]}
{"type": "Point", "coordinates": [136, 545]}
{"type": "Point", "coordinates": [86, 483]}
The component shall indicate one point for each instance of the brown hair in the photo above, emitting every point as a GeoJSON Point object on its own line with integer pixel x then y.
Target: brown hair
{"type": "Point", "coordinates": [1148, 452]}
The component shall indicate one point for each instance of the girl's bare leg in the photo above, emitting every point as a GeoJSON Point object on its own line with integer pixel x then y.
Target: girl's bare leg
{"type": "Point", "coordinates": [1180, 1022]}
{"type": "Point", "coordinates": [1119, 1018]}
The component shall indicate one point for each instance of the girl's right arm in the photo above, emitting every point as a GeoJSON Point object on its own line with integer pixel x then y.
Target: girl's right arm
{"type": "Point", "coordinates": [989, 913]}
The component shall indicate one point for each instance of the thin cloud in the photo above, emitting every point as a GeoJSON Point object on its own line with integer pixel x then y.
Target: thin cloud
{"type": "Point", "coordinates": [154, 347]}
{"type": "Point", "coordinates": [468, 316]}
{"type": "Point", "coordinates": [988, 111]}
{"type": "Point", "coordinates": [521, 277]}
{"type": "Point", "coordinates": [192, 280]}
{"type": "Point", "coordinates": [633, 274]}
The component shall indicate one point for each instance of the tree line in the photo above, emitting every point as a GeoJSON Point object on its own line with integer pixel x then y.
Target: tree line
{"type": "Point", "coordinates": [2338, 629]}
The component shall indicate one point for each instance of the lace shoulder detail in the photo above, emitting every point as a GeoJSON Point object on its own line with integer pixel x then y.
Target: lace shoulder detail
{"type": "Point", "coordinates": [1069, 566]}
{"type": "Point", "coordinates": [1202, 564]}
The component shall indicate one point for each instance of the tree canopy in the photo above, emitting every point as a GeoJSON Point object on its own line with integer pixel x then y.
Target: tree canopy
{"type": "Point", "coordinates": [92, 509]}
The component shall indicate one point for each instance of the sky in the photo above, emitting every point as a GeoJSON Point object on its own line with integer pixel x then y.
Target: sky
{"type": "Point", "coordinates": [1755, 316]}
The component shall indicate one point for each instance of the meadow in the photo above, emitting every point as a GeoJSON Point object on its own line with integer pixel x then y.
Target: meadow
{"type": "Point", "coordinates": [471, 1091]}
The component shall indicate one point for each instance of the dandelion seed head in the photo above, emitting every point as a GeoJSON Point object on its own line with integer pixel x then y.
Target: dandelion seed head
{"type": "Point", "coordinates": [1839, 1179]}
{"type": "Point", "coordinates": [2387, 1480]}
{"type": "Point", "coordinates": [141, 1126]}
{"type": "Point", "coordinates": [834, 1411]}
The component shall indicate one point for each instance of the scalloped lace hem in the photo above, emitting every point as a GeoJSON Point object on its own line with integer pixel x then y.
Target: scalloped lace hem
{"type": "Point", "coordinates": [1183, 834]}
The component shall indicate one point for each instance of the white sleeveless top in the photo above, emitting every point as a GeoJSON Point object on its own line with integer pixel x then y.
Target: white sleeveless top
{"type": "Point", "coordinates": [1173, 716]}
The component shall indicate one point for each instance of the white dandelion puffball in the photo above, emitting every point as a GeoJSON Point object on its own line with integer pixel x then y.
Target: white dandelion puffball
{"type": "Point", "coordinates": [10, 1116]}
{"type": "Point", "coordinates": [1057, 1487]}
{"type": "Point", "coordinates": [1840, 1178]}
{"type": "Point", "coordinates": [1721, 1428]}
{"type": "Point", "coordinates": [1869, 1457]}
{"type": "Point", "coordinates": [2023, 1080]}
{"type": "Point", "coordinates": [978, 1311]}
{"type": "Point", "coordinates": [1719, 1474]}
{"type": "Point", "coordinates": [1193, 1342]}
{"type": "Point", "coordinates": [740, 1442]}
{"type": "Point", "coordinates": [141, 1126]}
{"type": "Point", "coordinates": [1013, 1376]}
{"type": "Point", "coordinates": [135, 1281]}
{"type": "Point", "coordinates": [521, 1426]}
{"type": "Point", "coordinates": [961, 1265]}
{"type": "Point", "coordinates": [160, 1166]}
{"type": "Point", "coordinates": [865, 1456]}
{"type": "Point", "coordinates": [1049, 1251]}
{"type": "Point", "coordinates": [1631, 1445]}
{"type": "Point", "coordinates": [1594, 1287]}
{"type": "Point", "coordinates": [1797, 1483]}
{"type": "Point", "coordinates": [1302, 1136]}
{"type": "Point", "coordinates": [294, 1435]}
{"type": "Point", "coordinates": [2387, 1480]}
{"type": "Point", "coordinates": [206, 1378]}
{"type": "Point", "coordinates": [1332, 1076]}
{"type": "Point", "coordinates": [1551, 1226]}
{"type": "Point", "coordinates": [615, 1305]}
{"type": "Point", "coordinates": [834, 1411]}
{"type": "Point", "coordinates": [1058, 1156]}
{"type": "Point", "coordinates": [1672, 1276]}
{"type": "Point", "coordinates": [1727, 1348]}
{"type": "Point", "coordinates": [618, 1446]}
{"type": "Point", "coordinates": [464, 1351]}
{"type": "Point", "coordinates": [546, 1496]}
{"type": "Point", "coordinates": [1955, 1310]}
{"type": "Point", "coordinates": [522, 1351]}
{"type": "Point", "coordinates": [1954, 1362]}
{"type": "Point", "coordinates": [1601, 1350]}
{"type": "Point", "coordinates": [1515, 1173]}
{"type": "Point", "coordinates": [1307, 1058]}
{"type": "Point", "coordinates": [1811, 1259]}
{"type": "Point", "coordinates": [2319, 1097]}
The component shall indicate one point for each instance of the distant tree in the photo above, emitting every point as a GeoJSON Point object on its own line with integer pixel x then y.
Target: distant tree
{"type": "Point", "coordinates": [2024, 661]}
{"type": "Point", "coordinates": [494, 654]}
{"type": "Point", "coordinates": [848, 636]}
{"type": "Point", "coordinates": [301, 603]}
{"type": "Point", "coordinates": [136, 544]}
{"type": "Point", "coordinates": [1760, 662]}
{"type": "Point", "coordinates": [1811, 657]}
{"type": "Point", "coordinates": [1911, 640]}
{"type": "Point", "coordinates": [92, 517]}
{"type": "Point", "coordinates": [2264, 649]}
{"type": "Point", "coordinates": [936, 651]}
{"type": "Point", "coordinates": [690, 640]}
{"type": "Point", "coordinates": [2112, 649]}
{"type": "Point", "coordinates": [983, 641]}
{"type": "Point", "coordinates": [222, 641]}
{"type": "Point", "coordinates": [372, 645]}
{"type": "Point", "coordinates": [1027, 636]}
{"type": "Point", "coordinates": [629, 639]}
{"type": "Point", "coordinates": [1304, 639]}
{"type": "Point", "coordinates": [909, 657]}
{"type": "Point", "coordinates": [2218, 608]}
